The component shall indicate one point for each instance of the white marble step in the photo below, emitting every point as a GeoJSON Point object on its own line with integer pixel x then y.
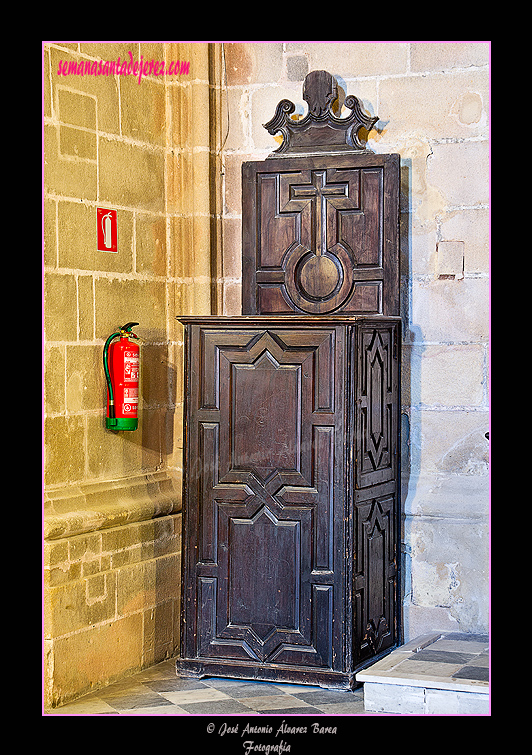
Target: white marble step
{"type": "Point", "coordinates": [438, 673]}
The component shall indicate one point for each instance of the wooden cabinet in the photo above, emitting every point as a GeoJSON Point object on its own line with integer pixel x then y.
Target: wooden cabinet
{"type": "Point", "coordinates": [291, 484]}
{"type": "Point", "coordinates": [289, 540]}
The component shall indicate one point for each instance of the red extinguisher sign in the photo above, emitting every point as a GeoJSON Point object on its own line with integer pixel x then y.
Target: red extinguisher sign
{"type": "Point", "coordinates": [106, 230]}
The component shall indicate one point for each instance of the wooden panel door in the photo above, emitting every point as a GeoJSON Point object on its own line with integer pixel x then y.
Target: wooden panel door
{"type": "Point", "coordinates": [320, 235]}
{"type": "Point", "coordinates": [264, 517]}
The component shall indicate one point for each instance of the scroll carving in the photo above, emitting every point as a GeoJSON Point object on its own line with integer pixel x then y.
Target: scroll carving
{"type": "Point", "coordinates": [320, 131]}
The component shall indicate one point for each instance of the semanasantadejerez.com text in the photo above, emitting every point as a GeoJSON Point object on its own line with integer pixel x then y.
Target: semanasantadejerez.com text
{"type": "Point", "coordinates": [123, 68]}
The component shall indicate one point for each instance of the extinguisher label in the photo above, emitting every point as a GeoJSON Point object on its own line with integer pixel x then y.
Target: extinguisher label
{"type": "Point", "coordinates": [131, 399]}
{"type": "Point", "coordinates": [131, 367]}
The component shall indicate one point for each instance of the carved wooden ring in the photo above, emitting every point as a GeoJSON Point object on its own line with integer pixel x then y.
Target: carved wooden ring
{"type": "Point", "coordinates": [318, 283]}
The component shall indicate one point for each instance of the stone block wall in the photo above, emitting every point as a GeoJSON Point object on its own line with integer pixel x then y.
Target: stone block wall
{"type": "Point", "coordinates": [143, 145]}
{"type": "Point", "coordinates": [432, 100]}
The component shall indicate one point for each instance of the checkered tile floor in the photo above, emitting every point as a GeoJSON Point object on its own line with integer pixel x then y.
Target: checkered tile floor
{"type": "Point", "coordinates": [159, 692]}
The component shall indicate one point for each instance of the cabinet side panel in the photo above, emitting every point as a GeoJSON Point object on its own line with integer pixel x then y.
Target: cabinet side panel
{"type": "Point", "coordinates": [376, 512]}
{"type": "Point", "coordinates": [376, 575]}
{"type": "Point", "coordinates": [377, 404]}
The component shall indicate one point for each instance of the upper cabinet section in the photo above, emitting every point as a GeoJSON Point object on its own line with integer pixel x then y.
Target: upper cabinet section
{"type": "Point", "coordinates": [320, 216]}
{"type": "Point", "coordinates": [320, 235]}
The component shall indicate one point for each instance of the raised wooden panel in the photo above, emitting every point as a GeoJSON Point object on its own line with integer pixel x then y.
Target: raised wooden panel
{"type": "Point", "coordinates": [264, 525]}
{"type": "Point", "coordinates": [377, 407]}
{"type": "Point", "coordinates": [375, 579]}
{"type": "Point", "coordinates": [252, 571]}
{"type": "Point", "coordinates": [320, 235]}
{"type": "Point", "coordinates": [265, 416]}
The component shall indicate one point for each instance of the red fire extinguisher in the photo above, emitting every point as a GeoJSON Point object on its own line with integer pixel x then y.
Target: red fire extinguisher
{"type": "Point", "coordinates": [121, 367]}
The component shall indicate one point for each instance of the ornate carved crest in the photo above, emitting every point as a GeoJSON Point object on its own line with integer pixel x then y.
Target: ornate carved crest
{"type": "Point", "coordinates": [320, 131]}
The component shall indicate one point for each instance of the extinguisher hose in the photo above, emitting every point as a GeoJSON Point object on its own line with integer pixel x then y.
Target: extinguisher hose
{"type": "Point", "coordinates": [108, 375]}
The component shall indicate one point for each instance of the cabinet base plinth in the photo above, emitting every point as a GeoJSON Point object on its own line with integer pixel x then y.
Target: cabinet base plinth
{"type": "Point", "coordinates": [198, 668]}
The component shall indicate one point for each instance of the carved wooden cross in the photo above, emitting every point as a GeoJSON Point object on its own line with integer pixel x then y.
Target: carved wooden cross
{"type": "Point", "coordinates": [320, 194]}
